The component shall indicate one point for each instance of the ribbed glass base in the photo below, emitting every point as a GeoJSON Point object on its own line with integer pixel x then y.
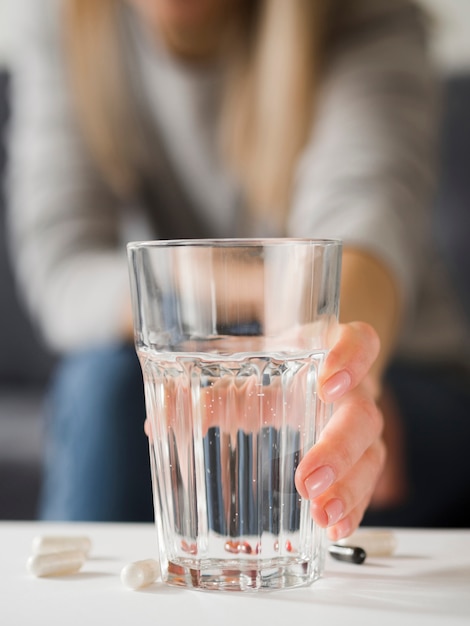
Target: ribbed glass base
{"type": "Point", "coordinates": [252, 575]}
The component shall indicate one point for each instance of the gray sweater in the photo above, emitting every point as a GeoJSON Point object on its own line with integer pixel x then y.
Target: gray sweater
{"type": "Point", "coordinates": [365, 176]}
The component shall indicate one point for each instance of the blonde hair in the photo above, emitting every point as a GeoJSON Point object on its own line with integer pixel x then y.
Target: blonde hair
{"type": "Point", "coordinates": [274, 68]}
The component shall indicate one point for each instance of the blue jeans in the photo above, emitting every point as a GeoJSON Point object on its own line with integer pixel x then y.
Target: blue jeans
{"type": "Point", "coordinates": [97, 461]}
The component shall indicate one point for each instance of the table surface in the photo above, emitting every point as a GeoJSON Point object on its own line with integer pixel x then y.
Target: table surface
{"type": "Point", "coordinates": [426, 582]}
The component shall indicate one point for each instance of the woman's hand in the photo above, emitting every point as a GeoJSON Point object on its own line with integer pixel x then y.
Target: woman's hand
{"type": "Point", "coordinates": [340, 471]}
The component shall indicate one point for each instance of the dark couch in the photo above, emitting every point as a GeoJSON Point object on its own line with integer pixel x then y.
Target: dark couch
{"type": "Point", "coordinates": [452, 206]}
{"type": "Point", "coordinates": [24, 368]}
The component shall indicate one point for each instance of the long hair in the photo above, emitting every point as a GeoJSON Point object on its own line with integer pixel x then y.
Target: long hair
{"type": "Point", "coordinates": [274, 67]}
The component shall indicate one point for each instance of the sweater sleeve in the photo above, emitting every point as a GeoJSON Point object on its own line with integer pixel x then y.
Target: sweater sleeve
{"type": "Point", "coordinates": [63, 220]}
{"type": "Point", "coordinates": [367, 173]}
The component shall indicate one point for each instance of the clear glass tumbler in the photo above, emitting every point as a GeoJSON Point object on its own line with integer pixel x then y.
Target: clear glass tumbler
{"type": "Point", "coordinates": [231, 335]}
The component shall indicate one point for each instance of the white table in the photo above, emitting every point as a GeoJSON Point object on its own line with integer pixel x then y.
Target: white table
{"type": "Point", "coordinates": [426, 582]}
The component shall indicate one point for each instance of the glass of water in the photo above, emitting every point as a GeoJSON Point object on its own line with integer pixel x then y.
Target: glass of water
{"type": "Point", "coordinates": [231, 335]}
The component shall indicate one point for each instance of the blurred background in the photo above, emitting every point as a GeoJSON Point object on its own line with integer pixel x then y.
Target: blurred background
{"type": "Point", "coordinates": [25, 364]}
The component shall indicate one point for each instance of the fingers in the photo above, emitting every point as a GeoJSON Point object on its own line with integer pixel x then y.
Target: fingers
{"type": "Point", "coordinates": [356, 347]}
{"type": "Point", "coordinates": [339, 472]}
{"type": "Point", "coordinates": [355, 425]}
{"type": "Point", "coordinates": [350, 522]}
{"type": "Point", "coordinates": [342, 507]}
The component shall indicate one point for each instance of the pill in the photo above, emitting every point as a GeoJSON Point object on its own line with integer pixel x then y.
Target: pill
{"type": "Point", "coordinates": [189, 547]}
{"type": "Point", "coordinates": [45, 544]}
{"type": "Point", "coordinates": [350, 554]}
{"type": "Point", "coordinates": [140, 573]}
{"type": "Point", "coordinates": [245, 548]}
{"type": "Point", "coordinates": [232, 546]}
{"type": "Point", "coordinates": [374, 542]}
{"type": "Point", "coordinates": [56, 563]}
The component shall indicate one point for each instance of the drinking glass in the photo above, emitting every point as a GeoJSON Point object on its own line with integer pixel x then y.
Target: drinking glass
{"type": "Point", "coordinates": [231, 335]}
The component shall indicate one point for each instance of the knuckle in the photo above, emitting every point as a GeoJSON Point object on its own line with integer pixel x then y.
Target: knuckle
{"type": "Point", "coordinates": [367, 331]}
{"type": "Point", "coordinates": [377, 454]}
{"type": "Point", "coordinates": [344, 459]}
{"type": "Point", "coordinates": [370, 337]}
{"type": "Point", "coordinates": [335, 359]}
{"type": "Point", "coordinates": [348, 496]}
{"type": "Point", "coordinates": [371, 415]}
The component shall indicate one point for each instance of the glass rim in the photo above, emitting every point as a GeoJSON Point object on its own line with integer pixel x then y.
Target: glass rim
{"type": "Point", "coordinates": [233, 242]}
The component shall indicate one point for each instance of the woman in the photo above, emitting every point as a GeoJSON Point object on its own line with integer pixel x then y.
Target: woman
{"type": "Point", "coordinates": [196, 118]}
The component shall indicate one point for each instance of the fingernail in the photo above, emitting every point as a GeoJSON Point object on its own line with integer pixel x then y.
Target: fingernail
{"type": "Point", "coordinates": [335, 386]}
{"type": "Point", "coordinates": [335, 511]}
{"type": "Point", "coordinates": [319, 481]}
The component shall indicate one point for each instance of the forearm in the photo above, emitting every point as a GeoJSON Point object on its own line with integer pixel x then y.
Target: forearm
{"type": "Point", "coordinates": [369, 293]}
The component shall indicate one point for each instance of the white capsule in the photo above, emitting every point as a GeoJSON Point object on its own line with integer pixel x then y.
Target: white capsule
{"type": "Point", "coordinates": [374, 542]}
{"type": "Point", "coordinates": [46, 544]}
{"type": "Point", "coordinates": [56, 563]}
{"type": "Point", "coordinates": [140, 573]}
